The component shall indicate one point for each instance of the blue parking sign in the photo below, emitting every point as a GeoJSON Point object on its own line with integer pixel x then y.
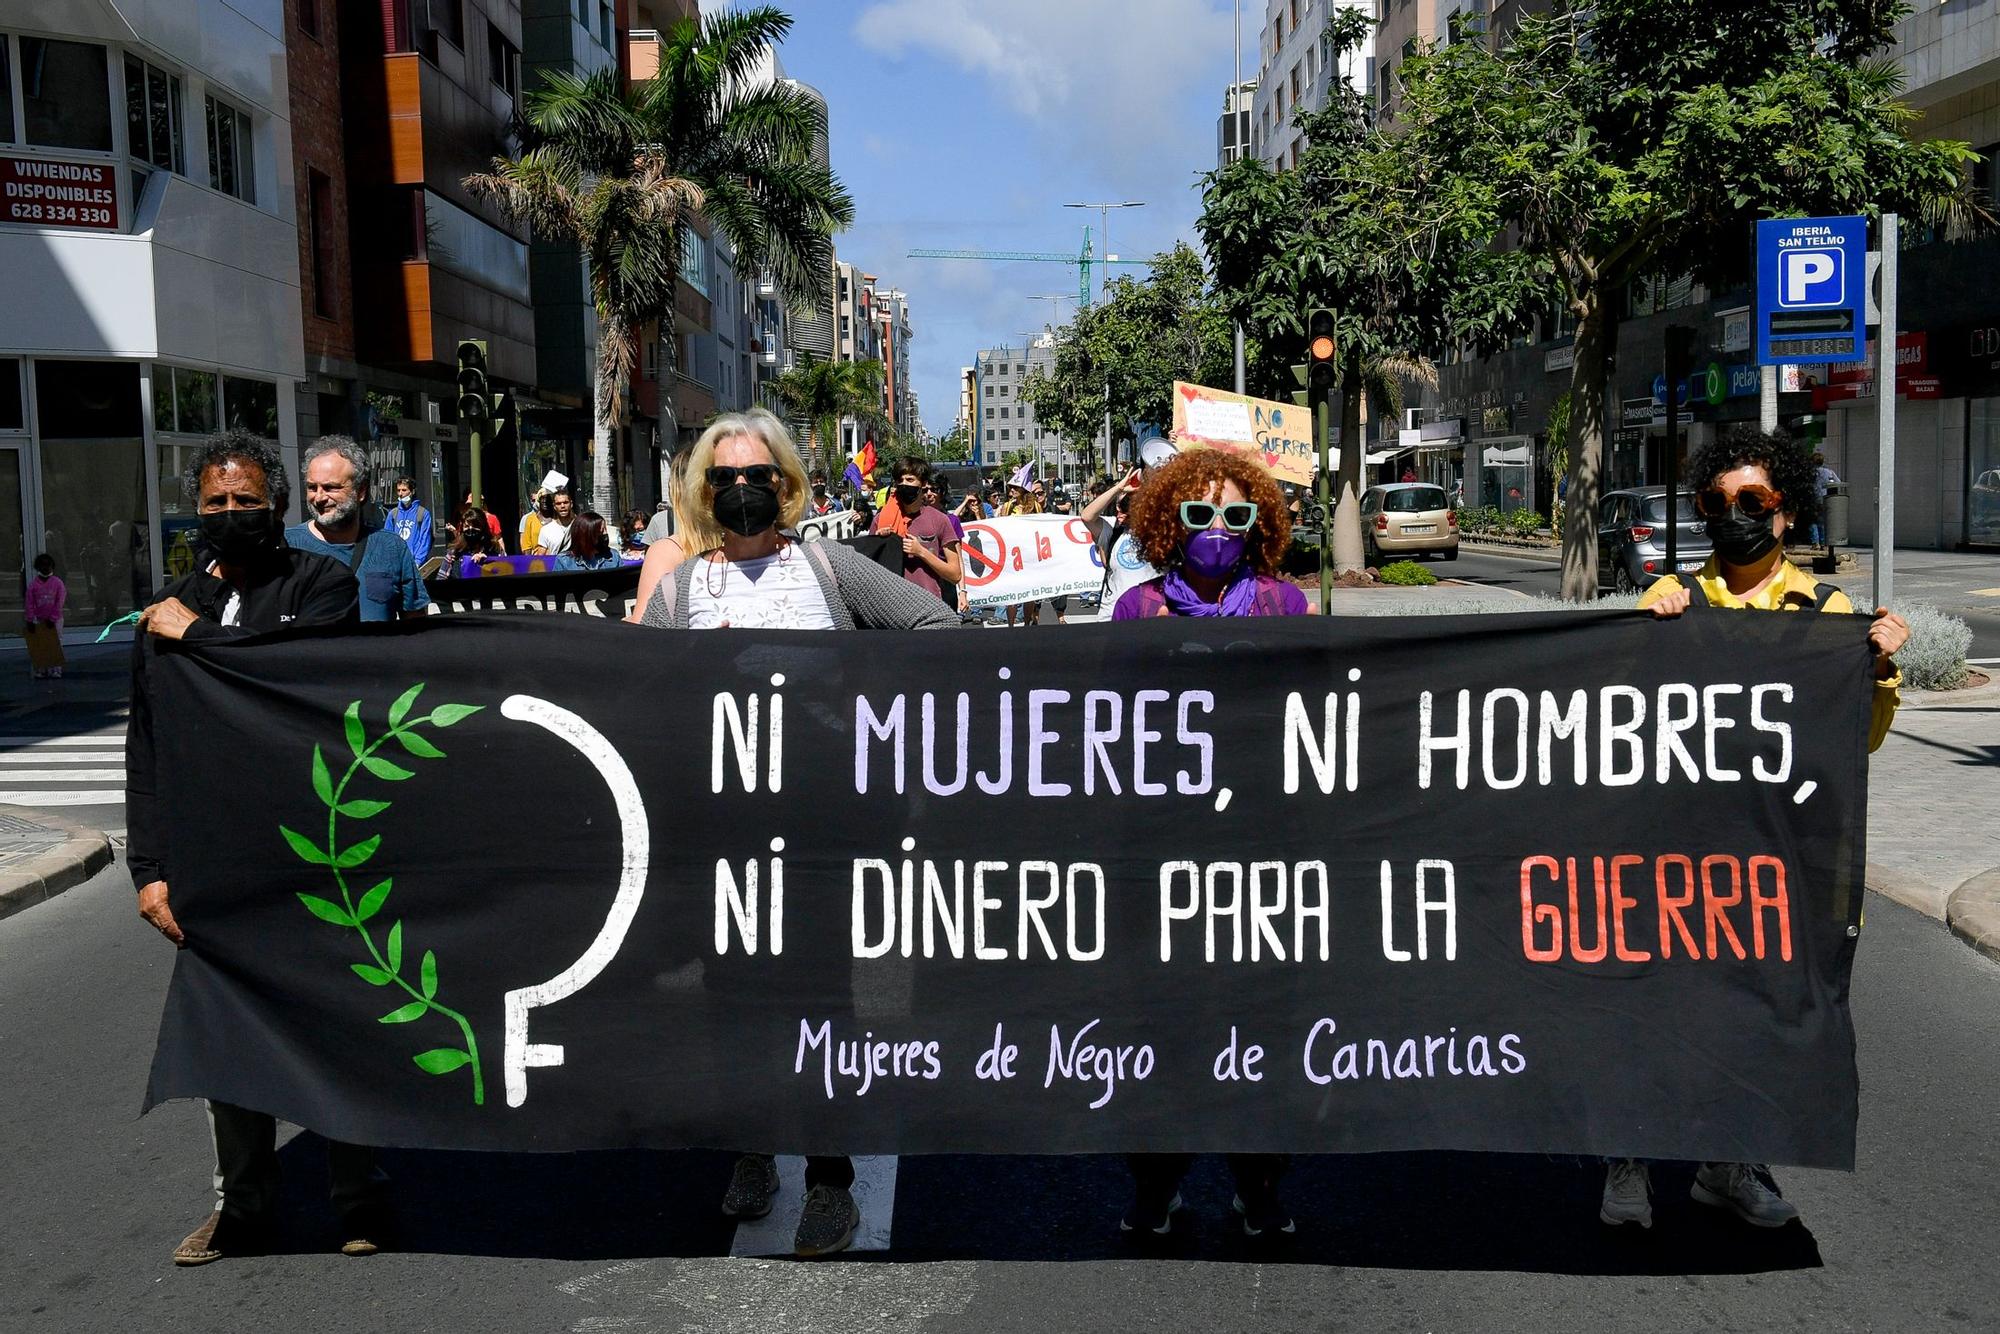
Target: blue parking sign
{"type": "Point", "coordinates": [1810, 304]}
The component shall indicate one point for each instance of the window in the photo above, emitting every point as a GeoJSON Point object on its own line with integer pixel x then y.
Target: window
{"type": "Point", "coordinates": [251, 405]}
{"type": "Point", "coordinates": [1295, 85]}
{"type": "Point", "coordinates": [309, 18]}
{"type": "Point", "coordinates": [65, 94]}
{"type": "Point", "coordinates": [230, 169]}
{"type": "Point", "coordinates": [1003, 414]}
{"type": "Point", "coordinates": [7, 91]}
{"type": "Point", "coordinates": [11, 415]}
{"type": "Point", "coordinates": [694, 260]}
{"type": "Point", "coordinates": [1020, 370]}
{"type": "Point", "coordinates": [989, 414]}
{"type": "Point", "coordinates": [183, 400]}
{"type": "Point", "coordinates": [319, 198]}
{"type": "Point", "coordinates": [604, 24]}
{"type": "Point", "coordinates": [583, 12]}
{"type": "Point", "coordinates": [153, 115]}
{"type": "Point", "coordinates": [1004, 433]}
{"type": "Point", "coordinates": [1003, 391]}
{"type": "Point", "coordinates": [448, 18]}
{"type": "Point", "coordinates": [501, 58]}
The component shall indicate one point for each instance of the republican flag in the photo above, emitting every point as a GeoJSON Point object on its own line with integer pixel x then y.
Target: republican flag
{"type": "Point", "coordinates": [866, 458]}
{"type": "Point", "coordinates": [853, 476]}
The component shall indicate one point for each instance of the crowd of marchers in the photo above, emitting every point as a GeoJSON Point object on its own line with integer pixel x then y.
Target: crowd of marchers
{"type": "Point", "coordinates": [1211, 531]}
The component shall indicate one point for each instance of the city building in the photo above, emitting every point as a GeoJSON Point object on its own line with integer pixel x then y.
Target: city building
{"type": "Point", "coordinates": [1232, 127]}
{"type": "Point", "coordinates": [1406, 27]}
{"type": "Point", "coordinates": [1295, 67]}
{"type": "Point", "coordinates": [1003, 423]}
{"type": "Point", "coordinates": [1487, 423]}
{"type": "Point", "coordinates": [427, 93]}
{"type": "Point", "coordinates": [149, 238]}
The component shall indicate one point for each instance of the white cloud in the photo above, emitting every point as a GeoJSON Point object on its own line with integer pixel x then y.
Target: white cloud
{"type": "Point", "coordinates": [1117, 77]}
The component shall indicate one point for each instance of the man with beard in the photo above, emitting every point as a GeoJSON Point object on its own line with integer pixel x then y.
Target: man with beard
{"type": "Point", "coordinates": [336, 497]}
{"type": "Point", "coordinates": [246, 581]}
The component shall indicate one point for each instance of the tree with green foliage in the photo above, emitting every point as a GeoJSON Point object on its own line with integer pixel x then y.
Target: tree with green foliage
{"type": "Point", "coordinates": [1365, 230]}
{"type": "Point", "coordinates": [620, 173]}
{"type": "Point", "coordinates": [1623, 139]}
{"type": "Point", "coordinates": [1147, 334]}
{"type": "Point", "coordinates": [819, 393]}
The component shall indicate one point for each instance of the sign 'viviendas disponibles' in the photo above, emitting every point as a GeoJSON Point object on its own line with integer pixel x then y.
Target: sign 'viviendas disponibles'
{"type": "Point", "coordinates": [1572, 883]}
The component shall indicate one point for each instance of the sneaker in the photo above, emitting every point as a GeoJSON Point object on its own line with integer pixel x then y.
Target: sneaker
{"type": "Point", "coordinates": [223, 1235]}
{"type": "Point", "coordinates": [364, 1230]}
{"type": "Point", "coordinates": [1628, 1194]}
{"type": "Point", "coordinates": [1742, 1189]}
{"type": "Point", "coordinates": [828, 1223]}
{"type": "Point", "coordinates": [1156, 1219]}
{"type": "Point", "coordinates": [1264, 1217]}
{"type": "Point", "coordinates": [752, 1187]}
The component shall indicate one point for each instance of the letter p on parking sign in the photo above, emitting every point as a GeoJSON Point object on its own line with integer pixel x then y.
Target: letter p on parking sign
{"type": "Point", "coordinates": [1810, 278]}
{"type": "Point", "coordinates": [1810, 300]}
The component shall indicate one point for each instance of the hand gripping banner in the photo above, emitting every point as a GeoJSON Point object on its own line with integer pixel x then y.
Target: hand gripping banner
{"type": "Point", "coordinates": [1572, 883]}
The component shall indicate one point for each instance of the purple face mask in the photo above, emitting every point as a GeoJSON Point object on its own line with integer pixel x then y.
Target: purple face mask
{"type": "Point", "coordinates": [1214, 553]}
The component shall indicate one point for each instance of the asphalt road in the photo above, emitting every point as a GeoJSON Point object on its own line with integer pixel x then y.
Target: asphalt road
{"type": "Point", "coordinates": [97, 1196]}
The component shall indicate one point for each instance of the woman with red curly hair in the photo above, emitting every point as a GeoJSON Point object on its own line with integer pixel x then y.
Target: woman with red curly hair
{"type": "Point", "coordinates": [1218, 525]}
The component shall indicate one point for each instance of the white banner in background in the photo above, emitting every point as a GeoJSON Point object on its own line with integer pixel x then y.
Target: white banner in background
{"type": "Point", "coordinates": [834, 527]}
{"type": "Point", "coordinates": [1027, 558]}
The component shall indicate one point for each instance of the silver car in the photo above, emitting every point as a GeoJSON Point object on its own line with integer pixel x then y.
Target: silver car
{"type": "Point", "coordinates": [1632, 537]}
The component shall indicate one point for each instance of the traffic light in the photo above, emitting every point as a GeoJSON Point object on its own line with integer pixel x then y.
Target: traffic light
{"type": "Point", "coordinates": [475, 410]}
{"type": "Point", "coordinates": [1300, 395]}
{"type": "Point", "coordinates": [1321, 372]}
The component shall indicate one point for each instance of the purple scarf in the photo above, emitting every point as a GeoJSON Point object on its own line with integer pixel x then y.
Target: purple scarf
{"type": "Point", "coordinates": [1239, 597]}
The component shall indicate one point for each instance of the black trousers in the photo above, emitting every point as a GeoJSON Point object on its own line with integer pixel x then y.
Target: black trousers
{"type": "Point", "coordinates": [834, 1171]}
{"type": "Point", "coordinates": [1158, 1175]}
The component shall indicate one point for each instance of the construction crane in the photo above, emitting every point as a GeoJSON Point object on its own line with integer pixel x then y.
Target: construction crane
{"type": "Point", "coordinates": [1083, 259]}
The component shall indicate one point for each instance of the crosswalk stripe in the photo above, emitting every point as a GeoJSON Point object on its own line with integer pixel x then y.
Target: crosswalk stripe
{"type": "Point", "coordinates": [91, 739]}
{"type": "Point", "coordinates": [59, 776]}
{"type": "Point", "coordinates": [70, 796]}
{"type": "Point", "coordinates": [51, 757]}
{"type": "Point", "coordinates": [874, 1191]}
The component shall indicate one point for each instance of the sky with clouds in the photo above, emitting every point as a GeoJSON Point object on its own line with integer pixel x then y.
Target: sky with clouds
{"type": "Point", "coordinates": [969, 123]}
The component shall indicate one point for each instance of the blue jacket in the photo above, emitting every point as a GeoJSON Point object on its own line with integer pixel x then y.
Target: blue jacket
{"type": "Point", "coordinates": [390, 587]}
{"type": "Point", "coordinates": [413, 525]}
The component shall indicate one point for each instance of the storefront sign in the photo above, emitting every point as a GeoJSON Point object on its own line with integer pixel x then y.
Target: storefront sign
{"type": "Point", "coordinates": [1260, 885]}
{"type": "Point", "coordinates": [41, 192]}
{"type": "Point", "coordinates": [1736, 329]}
{"type": "Point", "coordinates": [1559, 358]}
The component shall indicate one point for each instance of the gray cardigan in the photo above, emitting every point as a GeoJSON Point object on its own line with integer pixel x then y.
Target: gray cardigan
{"type": "Point", "coordinates": [860, 594]}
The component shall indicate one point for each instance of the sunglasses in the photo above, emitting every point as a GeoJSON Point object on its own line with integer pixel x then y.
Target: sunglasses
{"type": "Point", "coordinates": [1753, 501]}
{"type": "Point", "coordinates": [763, 476]}
{"type": "Point", "coordinates": [1197, 515]}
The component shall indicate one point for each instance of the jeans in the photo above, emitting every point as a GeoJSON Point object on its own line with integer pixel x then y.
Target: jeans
{"type": "Point", "coordinates": [246, 1165]}
{"type": "Point", "coordinates": [1157, 1176]}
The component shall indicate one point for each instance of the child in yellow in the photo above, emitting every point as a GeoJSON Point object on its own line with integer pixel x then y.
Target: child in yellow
{"type": "Point", "coordinates": [1752, 488]}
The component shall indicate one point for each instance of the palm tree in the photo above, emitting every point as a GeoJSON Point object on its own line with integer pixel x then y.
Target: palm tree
{"type": "Point", "coordinates": [619, 172]}
{"type": "Point", "coordinates": [588, 175]}
{"type": "Point", "coordinates": [820, 393]}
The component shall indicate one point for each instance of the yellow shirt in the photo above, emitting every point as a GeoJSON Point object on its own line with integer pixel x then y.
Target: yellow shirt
{"type": "Point", "coordinates": [1792, 590]}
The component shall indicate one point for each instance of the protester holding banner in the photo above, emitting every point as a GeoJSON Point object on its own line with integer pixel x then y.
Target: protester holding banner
{"type": "Point", "coordinates": [246, 581]}
{"type": "Point", "coordinates": [1752, 488]}
{"type": "Point", "coordinates": [589, 546]}
{"type": "Point", "coordinates": [743, 489]}
{"type": "Point", "coordinates": [472, 545]}
{"type": "Point", "coordinates": [930, 544]}
{"type": "Point", "coordinates": [1021, 500]}
{"type": "Point", "coordinates": [1107, 518]}
{"type": "Point", "coordinates": [1217, 524]}
{"type": "Point", "coordinates": [337, 498]}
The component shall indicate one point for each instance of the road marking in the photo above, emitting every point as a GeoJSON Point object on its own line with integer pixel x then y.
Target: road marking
{"type": "Point", "coordinates": [83, 739]}
{"type": "Point", "coordinates": [65, 797]}
{"type": "Point", "coordinates": [1986, 592]}
{"type": "Point", "coordinates": [874, 1191]}
{"type": "Point", "coordinates": [61, 776]}
{"type": "Point", "coordinates": [51, 757]}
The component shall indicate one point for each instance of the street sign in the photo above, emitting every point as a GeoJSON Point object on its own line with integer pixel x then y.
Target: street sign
{"type": "Point", "coordinates": [1811, 290]}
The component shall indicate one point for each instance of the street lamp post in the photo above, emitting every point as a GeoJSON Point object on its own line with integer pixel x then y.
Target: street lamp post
{"type": "Point", "coordinates": [1236, 155]}
{"type": "Point", "coordinates": [1104, 225]}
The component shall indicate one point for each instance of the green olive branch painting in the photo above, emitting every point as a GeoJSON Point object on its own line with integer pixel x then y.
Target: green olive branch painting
{"type": "Point", "coordinates": [386, 970]}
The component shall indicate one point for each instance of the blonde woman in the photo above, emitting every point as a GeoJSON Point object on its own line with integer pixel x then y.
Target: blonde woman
{"type": "Point", "coordinates": [1020, 500]}
{"type": "Point", "coordinates": [736, 560]}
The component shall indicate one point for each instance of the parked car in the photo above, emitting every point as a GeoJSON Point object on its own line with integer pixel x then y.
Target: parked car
{"type": "Point", "coordinates": [1632, 537]}
{"type": "Point", "coordinates": [1408, 519]}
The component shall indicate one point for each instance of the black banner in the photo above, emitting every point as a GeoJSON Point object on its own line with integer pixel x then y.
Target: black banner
{"type": "Point", "coordinates": [1582, 883]}
{"type": "Point", "coordinates": [605, 593]}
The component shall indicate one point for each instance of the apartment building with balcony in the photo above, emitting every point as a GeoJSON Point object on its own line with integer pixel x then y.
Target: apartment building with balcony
{"type": "Point", "coordinates": [149, 241]}
{"type": "Point", "coordinates": [1296, 65]}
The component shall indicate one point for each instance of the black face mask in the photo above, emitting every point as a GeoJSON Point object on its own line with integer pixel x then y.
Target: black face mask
{"type": "Point", "coordinates": [1739, 539]}
{"type": "Point", "coordinates": [746, 510]}
{"type": "Point", "coordinates": [239, 536]}
{"type": "Point", "coordinates": [909, 496]}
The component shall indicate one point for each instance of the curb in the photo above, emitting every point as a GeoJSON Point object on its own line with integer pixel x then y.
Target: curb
{"type": "Point", "coordinates": [1907, 890]}
{"type": "Point", "coordinates": [62, 867]}
{"type": "Point", "coordinates": [1973, 913]}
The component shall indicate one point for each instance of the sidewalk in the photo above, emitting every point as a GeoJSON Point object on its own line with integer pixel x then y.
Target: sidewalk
{"type": "Point", "coordinates": [42, 855]}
